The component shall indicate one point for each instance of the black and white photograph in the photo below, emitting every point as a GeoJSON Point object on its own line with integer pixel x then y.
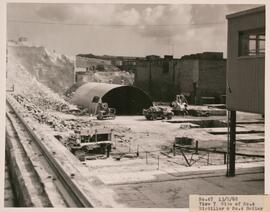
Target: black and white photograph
{"type": "Point", "coordinates": [133, 105]}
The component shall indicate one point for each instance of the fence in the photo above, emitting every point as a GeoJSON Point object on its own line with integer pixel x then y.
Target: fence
{"type": "Point", "coordinates": [189, 155]}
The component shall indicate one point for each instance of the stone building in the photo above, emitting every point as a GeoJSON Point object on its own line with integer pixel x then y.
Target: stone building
{"type": "Point", "coordinates": [156, 76]}
{"type": "Point", "coordinates": [201, 77]}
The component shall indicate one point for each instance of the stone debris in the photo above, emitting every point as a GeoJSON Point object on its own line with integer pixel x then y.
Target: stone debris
{"type": "Point", "coordinates": [41, 114]}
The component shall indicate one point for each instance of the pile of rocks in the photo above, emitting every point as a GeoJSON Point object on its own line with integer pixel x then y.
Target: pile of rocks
{"type": "Point", "coordinates": [54, 121]}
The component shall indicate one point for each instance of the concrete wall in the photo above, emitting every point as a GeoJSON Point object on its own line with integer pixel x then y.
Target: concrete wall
{"type": "Point", "coordinates": [201, 77]}
{"type": "Point", "coordinates": [163, 81]}
{"type": "Point", "coordinates": [190, 76]}
{"type": "Point", "coordinates": [212, 79]}
{"type": "Point", "coordinates": [142, 76]}
{"type": "Point", "coordinates": [157, 78]}
{"type": "Point", "coordinates": [187, 73]}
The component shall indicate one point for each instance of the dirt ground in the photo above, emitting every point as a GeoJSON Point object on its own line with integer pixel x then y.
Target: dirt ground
{"type": "Point", "coordinates": [150, 174]}
{"type": "Point", "coordinates": [147, 145]}
{"type": "Point", "coordinates": [160, 179]}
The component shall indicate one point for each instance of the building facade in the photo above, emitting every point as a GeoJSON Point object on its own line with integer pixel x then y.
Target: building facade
{"type": "Point", "coordinates": [156, 76]}
{"type": "Point", "coordinates": [202, 77]}
{"type": "Point", "coordinates": [245, 70]}
{"type": "Point", "coordinates": [246, 59]}
{"type": "Point", "coordinates": [198, 77]}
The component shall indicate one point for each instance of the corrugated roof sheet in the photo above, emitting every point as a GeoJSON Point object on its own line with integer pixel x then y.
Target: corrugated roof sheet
{"type": "Point", "coordinates": [85, 94]}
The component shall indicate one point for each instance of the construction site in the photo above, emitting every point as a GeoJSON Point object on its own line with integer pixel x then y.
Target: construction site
{"type": "Point", "coordinates": [88, 133]}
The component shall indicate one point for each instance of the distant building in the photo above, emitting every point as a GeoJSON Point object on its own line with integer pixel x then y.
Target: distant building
{"type": "Point", "coordinates": [201, 77]}
{"type": "Point", "coordinates": [245, 70]}
{"type": "Point", "coordinates": [126, 63]}
{"type": "Point", "coordinates": [156, 76]}
{"type": "Point", "coordinates": [118, 61]}
{"type": "Point", "coordinates": [129, 64]}
{"type": "Point", "coordinates": [86, 65]}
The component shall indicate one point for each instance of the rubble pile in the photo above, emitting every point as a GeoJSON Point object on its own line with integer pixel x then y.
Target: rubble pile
{"type": "Point", "coordinates": [122, 134]}
{"type": "Point", "coordinates": [54, 121]}
{"type": "Point", "coordinates": [60, 105]}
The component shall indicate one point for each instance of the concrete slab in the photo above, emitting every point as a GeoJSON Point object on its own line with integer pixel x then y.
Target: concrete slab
{"type": "Point", "coordinates": [242, 129]}
{"type": "Point", "coordinates": [175, 193]}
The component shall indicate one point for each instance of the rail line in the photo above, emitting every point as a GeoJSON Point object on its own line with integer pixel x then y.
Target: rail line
{"type": "Point", "coordinates": [72, 195]}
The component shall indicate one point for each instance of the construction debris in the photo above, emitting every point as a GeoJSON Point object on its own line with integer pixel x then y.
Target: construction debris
{"type": "Point", "coordinates": [54, 121]}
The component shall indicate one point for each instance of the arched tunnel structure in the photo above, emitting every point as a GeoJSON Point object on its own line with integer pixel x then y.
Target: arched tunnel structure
{"type": "Point", "coordinates": [127, 100]}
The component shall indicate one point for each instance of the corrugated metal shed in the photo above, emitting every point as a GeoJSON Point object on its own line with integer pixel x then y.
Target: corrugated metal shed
{"type": "Point", "coordinates": [245, 73]}
{"type": "Point", "coordinates": [127, 100]}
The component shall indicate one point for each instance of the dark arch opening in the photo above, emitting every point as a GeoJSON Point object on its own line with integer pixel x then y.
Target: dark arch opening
{"type": "Point", "coordinates": [127, 100]}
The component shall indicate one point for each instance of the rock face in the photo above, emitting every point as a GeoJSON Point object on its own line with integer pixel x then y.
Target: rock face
{"type": "Point", "coordinates": [24, 82]}
{"type": "Point", "coordinates": [52, 69]}
{"type": "Point", "coordinates": [30, 68]}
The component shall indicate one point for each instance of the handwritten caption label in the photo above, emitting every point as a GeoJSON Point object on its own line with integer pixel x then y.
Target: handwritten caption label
{"type": "Point", "coordinates": [224, 203]}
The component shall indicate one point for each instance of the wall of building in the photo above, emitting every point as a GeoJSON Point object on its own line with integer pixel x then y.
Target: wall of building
{"type": "Point", "coordinates": [128, 65]}
{"type": "Point", "coordinates": [163, 77]}
{"type": "Point", "coordinates": [156, 76]}
{"type": "Point", "coordinates": [200, 77]}
{"type": "Point", "coordinates": [142, 75]}
{"type": "Point", "coordinates": [187, 73]}
{"type": "Point", "coordinates": [212, 79]}
{"type": "Point", "coordinates": [245, 74]}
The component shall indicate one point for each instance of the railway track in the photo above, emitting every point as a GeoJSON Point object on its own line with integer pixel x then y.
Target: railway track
{"type": "Point", "coordinates": [46, 174]}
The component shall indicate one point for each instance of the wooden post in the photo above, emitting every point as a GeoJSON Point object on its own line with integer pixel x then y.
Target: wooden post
{"type": "Point", "coordinates": [184, 157]}
{"type": "Point", "coordinates": [146, 159]}
{"type": "Point", "coordinates": [231, 170]}
{"type": "Point", "coordinates": [196, 150]}
{"type": "Point", "coordinates": [108, 150]}
{"type": "Point", "coordinates": [225, 157]}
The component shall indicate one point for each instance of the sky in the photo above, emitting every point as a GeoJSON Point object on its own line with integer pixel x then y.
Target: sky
{"type": "Point", "coordinates": [122, 29]}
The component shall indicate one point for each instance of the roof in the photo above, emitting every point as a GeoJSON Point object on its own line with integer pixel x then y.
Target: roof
{"type": "Point", "coordinates": [246, 12]}
{"type": "Point", "coordinates": [205, 55]}
{"type": "Point", "coordinates": [85, 94]}
{"type": "Point", "coordinates": [124, 98]}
